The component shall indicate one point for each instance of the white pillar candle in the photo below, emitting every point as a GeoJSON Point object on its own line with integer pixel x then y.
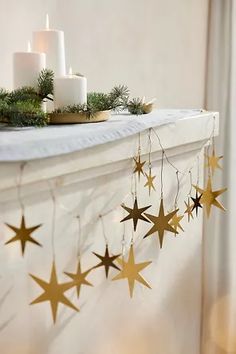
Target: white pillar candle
{"type": "Point", "coordinates": [51, 42]}
{"type": "Point", "coordinates": [26, 67]}
{"type": "Point", "coordinates": [70, 90]}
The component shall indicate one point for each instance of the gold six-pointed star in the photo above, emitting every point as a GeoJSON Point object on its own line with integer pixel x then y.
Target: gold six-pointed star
{"type": "Point", "coordinates": [161, 223]}
{"type": "Point", "coordinates": [135, 214]}
{"type": "Point", "coordinates": [139, 166]}
{"type": "Point", "coordinates": [189, 209]}
{"type": "Point", "coordinates": [175, 222]}
{"type": "Point", "coordinates": [130, 270]}
{"type": "Point", "coordinates": [149, 182]}
{"type": "Point", "coordinates": [213, 161]}
{"type": "Point", "coordinates": [209, 197]}
{"type": "Point", "coordinates": [107, 261]}
{"type": "Point", "coordinates": [53, 292]}
{"type": "Point", "coordinates": [79, 278]}
{"type": "Point", "coordinates": [23, 234]}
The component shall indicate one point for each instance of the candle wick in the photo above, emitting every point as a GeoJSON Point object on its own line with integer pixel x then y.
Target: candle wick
{"type": "Point", "coordinates": [47, 21]}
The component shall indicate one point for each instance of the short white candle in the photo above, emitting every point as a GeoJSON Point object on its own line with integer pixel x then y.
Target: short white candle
{"type": "Point", "coordinates": [51, 42]}
{"type": "Point", "coordinates": [26, 67]}
{"type": "Point", "coordinates": [70, 90]}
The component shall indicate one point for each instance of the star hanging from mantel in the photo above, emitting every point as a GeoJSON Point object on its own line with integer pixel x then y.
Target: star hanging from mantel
{"type": "Point", "coordinates": [107, 261]}
{"type": "Point", "coordinates": [79, 278]}
{"type": "Point", "coordinates": [135, 214]}
{"type": "Point", "coordinates": [209, 197]}
{"type": "Point", "coordinates": [139, 166]}
{"type": "Point", "coordinates": [53, 292]}
{"type": "Point", "coordinates": [175, 222]}
{"type": "Point", "coordinates": [23, 234]}
{"type": "Point", "coordinates": [130, 270]}
{"type": "Point", "coordinates": [161, 223]}
{"type": "Point", "coordinates": [189, 209]}
{"type": "Point", "coordinates": [213, 161]}
{"type": "Point", "coordinates": [149, 182]}
{"type": "Point", "coordinates": [196, 202]}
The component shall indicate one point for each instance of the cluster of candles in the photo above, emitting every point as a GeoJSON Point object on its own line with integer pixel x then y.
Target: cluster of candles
{"type": "Point", "coordinates": [49, 52]}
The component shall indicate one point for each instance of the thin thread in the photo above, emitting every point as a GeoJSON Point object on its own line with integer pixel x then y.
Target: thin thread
{"type": "Point", "coordinates": [78, 241]}
{"type": "Point", "coordinates": [178, 188]}
{"type": "Point", "coordinates": [103, 229]}
{"type": "Point", "coordinates": [53, 221]}
{"type": "Point", "coordinates": [150, 149]}
{"type": "Point", "coordinates": [19, 185]}
{"type": "Point", "coordinates": [191, 183]}
{"type": "Point", "coordinates": [162, 166]}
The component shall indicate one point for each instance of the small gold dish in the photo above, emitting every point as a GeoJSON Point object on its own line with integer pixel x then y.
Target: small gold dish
{"type": "Point", "coordinates": [76, 118]}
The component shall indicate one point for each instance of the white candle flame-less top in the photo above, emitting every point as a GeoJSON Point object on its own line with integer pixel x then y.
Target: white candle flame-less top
{"type": "Point", "coordinates": [70, 90]}
{"type": "Point", "coordinates": [52, 43]}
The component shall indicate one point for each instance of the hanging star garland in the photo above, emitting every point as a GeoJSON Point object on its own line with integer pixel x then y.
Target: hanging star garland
{"type": "Point", "coordinates": [139, 166]}
{"type": "Point", "coordinates": [53, 292]}
{"type": "Point", "coordinates": [189, 210]}
{"type": "Point", "coordinates": [209, 197]}
{"type": "Point", "coordinates": [107, 261]}
{"type": "Point", "coordinates": [149, 182]}
{"type": "Point", "coordinates": [23, 234]}
{"type": "Point", "coordinates": [79, 278]}
{"type": "Point", "coordinates": [135, 214]}
{"type": "Point", "coordinates": [175, 222]}
{"type": "Point", "coordinates": [196, 202]}
{"type": "Point", "coordinates": [213, 161]}
{"type": "Point", "coordinates": [130, 270]}
{"type": "Point", "coordinates": [161, 223]}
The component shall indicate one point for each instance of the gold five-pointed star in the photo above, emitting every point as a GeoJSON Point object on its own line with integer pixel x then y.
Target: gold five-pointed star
{"type": "Point", "coordinates": [53, 292]}
{"type": "Point", "coordinates": [107, 261]}
{"type": "Point", "coordinates": [139, 166]}
{"type": "Point", "coordinates": [149, 182]}
{"type": "Point", "coordinates": [189, 209]}
{"type": "Point", "coordinates": [130, 270]}
{"type": "Point", "coordinates": [136, 213]}
{"type": "Point", "coordinates": [209, 197]}
{"type": "Point", "coordinates": [79, 278]}
{"type": "Point", "coordinates": [161, 223]}
{"type": "Point", "coordinates": [23, 234]}
{"type": "Point", "coordinates": [175, 222]}
{"type": "Point", "coordinates": [213, 161]}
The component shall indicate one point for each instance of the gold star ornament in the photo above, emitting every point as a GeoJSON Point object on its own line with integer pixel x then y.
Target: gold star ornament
{"type": "Point", "coordinates": [175, 222]}
{"type": "Point", "coordinates": [209, 197]}
{"type": "Point", "coordinates": [79, 278]}
{"type": "Point", "coordinates": [213, 161]}
{"type": "Point", "coordinates": [107, 261]}
{"type": "Point", "coordinates": [23, 234]}
{"type": "Point", "coordinates": [161, 223]}
{"type": "Point", "coordinates": [130, 271]}
{"type": "Point", "coordinates": [189, 210]}
{"type": "Point", "coordinates": [53, 292]}
{"type": "Point", "coordinates": [139, 166]}
{"type": "Point", "coordinates": [135, 214]}
{"type": "Point", "coordinates": [197, 202]}
{"type": "Point", "coordinates": [149, 182]}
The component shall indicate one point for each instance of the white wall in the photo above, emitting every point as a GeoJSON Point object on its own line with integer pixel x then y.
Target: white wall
{"type": "Point", "coordinates": [156, 47]}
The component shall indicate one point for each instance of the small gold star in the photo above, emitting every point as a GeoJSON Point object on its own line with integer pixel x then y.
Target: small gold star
{"type": "Point", "coordinates": [53, 292]}
{"type": "Point", "coordinates": [139, 166]}
{"type": "Point", "coordinates": [79, 278]}
{"type": "Point", "coordinates": [175, 222]}
{"type": "Point", "coordinates": [213, 161]}
{"type": "Point", "coordinates": [136, 213]}
{"type": "Point", "coordinates": [23, 234]}
{"type": "Point", "coordinates": [149, 182]}
{"type": "Point", "coordinates": [196, 202]}
{"type": "Point", "coordinates": [107, 261]}
{"type": "Point", "coordinates": [130, 270]}
{"type": "Point", "coordinates": [209, 197]}
{"type": "Point", "coordinates": [189, 210]}
{"type": "Point", "coordinates": [161, 223]}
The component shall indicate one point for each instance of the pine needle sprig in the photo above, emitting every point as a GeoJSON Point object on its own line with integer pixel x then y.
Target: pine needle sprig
{"type": "Point", "coordinates": [45, 84]}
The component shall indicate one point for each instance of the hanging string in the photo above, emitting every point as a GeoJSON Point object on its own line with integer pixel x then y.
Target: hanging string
{"type": "Point", "coordinates": [162, 166]}
{"type": "Point", "coordinates": [53, 221]}
{"type": "Point", "coordinates": [103, 229]}
{"type": "Point", "coordinates": [150, 149]}
{"type": "Point", "coordinates": [79, 236]}
{"type": "Point", "coordinates": [178, 188]}
{"type": "Point", "coordinates": [19, 185]}
{"type": "Point", "coordinates": [191, 183]}
{"type": "Point", "coordinates": [198, 170]}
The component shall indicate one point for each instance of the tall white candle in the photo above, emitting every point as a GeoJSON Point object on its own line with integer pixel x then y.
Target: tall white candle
{"type": "Point", "coordinates": [70, 90]}
{"type": "Point", "coordinates": [51, 42]}
{"type": "Point", "coordinates": [26, 67]}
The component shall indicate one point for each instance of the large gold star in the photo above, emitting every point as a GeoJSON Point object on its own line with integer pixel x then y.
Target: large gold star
{"type": "Point", "coordinates": [79, 278]}
{"type": "Point", "coordinates": [139, 166]}
{"type": "Point", "coordinates": [107, 261]}
{"type": "Point", "coordinates": [149, 182]}
{"type": "Point", "coordinates": [53, 292]}
{"type": "Point", "coordinates": [209, 197]}
{"type": "Point", "coordinates": [23, 234]}
{"type": "Point", "coordinates": [136, 213]}
{"type": "Point", "coordinates": [213, 161]}
{"type": "Point", "coordinates": [175, 222]}
{"type": "Point", "coordinates": [189, 209]}
{"type": "Point", "coordinates": [161, 223]}
{"type": "Point", "coordinates": [130, 270]}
